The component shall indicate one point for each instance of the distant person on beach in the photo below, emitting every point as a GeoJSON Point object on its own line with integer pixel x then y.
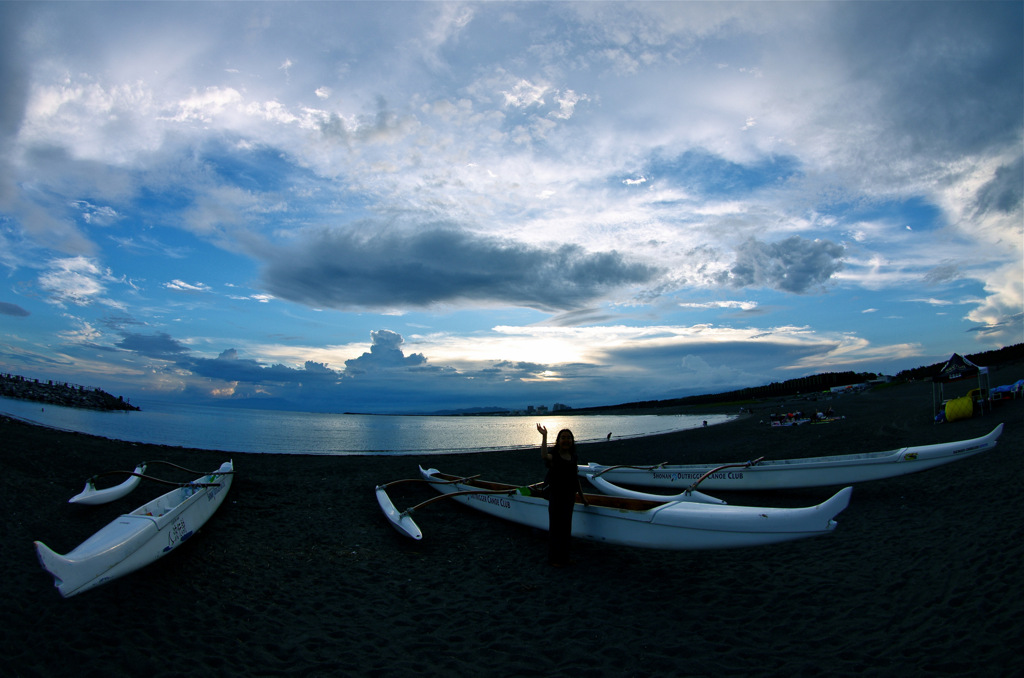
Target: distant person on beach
{"type": "Point", "coordinates": [563, 484]}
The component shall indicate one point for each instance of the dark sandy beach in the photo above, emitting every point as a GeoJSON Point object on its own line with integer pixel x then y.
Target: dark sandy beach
{"type": "Point", "coordinates": [299, 574]}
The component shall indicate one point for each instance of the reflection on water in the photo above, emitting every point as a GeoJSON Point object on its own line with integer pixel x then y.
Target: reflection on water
{"type": "Point", "coordinates": [240, 430]}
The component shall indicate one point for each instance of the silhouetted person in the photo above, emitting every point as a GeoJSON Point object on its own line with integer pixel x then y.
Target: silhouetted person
{"type": "Point", "coordinates": [563, 484]}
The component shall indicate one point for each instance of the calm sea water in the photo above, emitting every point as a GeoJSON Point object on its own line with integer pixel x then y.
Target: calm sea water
{"type": "Point", "coordinates": [239, 430]}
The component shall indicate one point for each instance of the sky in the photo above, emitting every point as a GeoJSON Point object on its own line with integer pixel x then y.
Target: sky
{"type": "Point", "coordinates": [416, 206]}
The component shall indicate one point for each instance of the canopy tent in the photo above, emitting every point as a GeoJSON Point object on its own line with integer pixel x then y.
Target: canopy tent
{"type": "Point", "coordinates": [959, 368]}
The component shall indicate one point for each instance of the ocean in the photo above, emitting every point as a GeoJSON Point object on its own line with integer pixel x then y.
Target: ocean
{"type": "Point", "coordinates": [263, 431]}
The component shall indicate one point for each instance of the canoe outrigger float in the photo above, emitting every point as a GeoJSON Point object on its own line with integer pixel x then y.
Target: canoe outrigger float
{"type": "Point", "coordinates": [136, 539]}
{"type": "Point", "coordinates": [674, 524]}
{"type": "Point", "coordinates": [787, 474]}
{"type": "Point", "coordinates": [91, 496]}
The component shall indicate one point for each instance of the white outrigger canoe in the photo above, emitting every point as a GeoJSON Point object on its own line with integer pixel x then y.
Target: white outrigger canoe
{"type": "Point", "coordinates": [785, 474]}
{"type": "Point", "coordinates": [674, 524]}
{"type": "Point", "coordinates": [136, 539]}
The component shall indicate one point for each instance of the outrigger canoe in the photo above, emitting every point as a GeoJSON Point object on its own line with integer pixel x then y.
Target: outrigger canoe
{"type": "Point", "coordinates": [136, 539]}
{"type": "Point", "coordinates": [674, 525]}
{"type": "Point", "coordinates": [786, 474]}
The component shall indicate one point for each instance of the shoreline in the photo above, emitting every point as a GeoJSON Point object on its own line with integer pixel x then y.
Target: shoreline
{"type": "Point", "coordinates": [333, 435]}
{"type": "Point", "coordinates": [299, 574]}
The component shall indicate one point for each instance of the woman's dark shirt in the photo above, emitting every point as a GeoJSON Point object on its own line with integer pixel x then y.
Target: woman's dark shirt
{"type": "Point", "coordinates": [562, 473]}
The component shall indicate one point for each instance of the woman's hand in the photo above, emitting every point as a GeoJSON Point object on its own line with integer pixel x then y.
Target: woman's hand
{"type": "Point", "coordinates": [543, 430]}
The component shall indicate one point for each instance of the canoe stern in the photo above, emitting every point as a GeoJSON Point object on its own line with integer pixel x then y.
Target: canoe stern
{"type": "Point", "coordinates": [56, 564]}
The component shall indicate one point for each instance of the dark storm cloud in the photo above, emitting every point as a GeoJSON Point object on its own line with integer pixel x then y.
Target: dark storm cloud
{"type": "Point", "coordinates": [13, 72]}
{"type": "Point", "coordinates": [159, 345]}
{"type": "Point", "coordinates": [1005, 192]}
{"type": "Point", "coordinates": [385, 353]}
{"type": "Point", "coordinates": [792, 265]}
{"type": "Point", "coordinates": [229, 367]}
{"type": "Point", "coordinates": [14, 76]}
{"type": "Point", "coordinates": [439, 264]}
{"type": "Point", "coordinates": [12, 309]}
{"type": "Point", "coordinates": [951, 74]}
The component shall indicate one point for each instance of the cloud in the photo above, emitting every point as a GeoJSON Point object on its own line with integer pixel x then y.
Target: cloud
{"type": "Point", "coordinates": [583, 316]}
{"type": "Point", "coordinates": [436, 265]}
{"type": "Point", "coordinates": [12, 309]}
{"type": "Point", "coordinates": [230, 368]}
{"type": "Point", "coordinates": [944, 272]}
{"type": "Point", "coordinates": [791, 265]}
{"type": "Point", "coordinates": [698, 374]}
{"type": "Point", "coordinates": [96, 215]}
{"type": "Point", "coordinates": [1005, 192]}
{"type": "Point", "coordinates": [1010, 326]}
{"type": "Point", "coordinates": [927, 92]}
{"type": "Point", "coordinates": [76, 280]}
{"type": "Point", "coordinates": [385, 353]}
{"type": "Point", "coordinates": [183, 286]}
{"type": "Point", "coordinates": [383, 126]}
{"type": "Point", "coordinates": [159, 345]}
{"type": "Point", "coordinates": [741, 305]}
{"type": "Point", "coordinates": [14, 71]}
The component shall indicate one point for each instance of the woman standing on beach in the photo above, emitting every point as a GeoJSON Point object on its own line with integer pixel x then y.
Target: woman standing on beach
{"type": "Point", "coordinates": [563, 484]}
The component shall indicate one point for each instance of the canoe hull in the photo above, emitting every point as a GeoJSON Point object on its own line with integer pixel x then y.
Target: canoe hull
{"type": "Point", "coordinates": [656, 525]}
{"type": "Point", "coordinates": [136, 539]}
{"type": "Point", "coordinates": [787, 474]}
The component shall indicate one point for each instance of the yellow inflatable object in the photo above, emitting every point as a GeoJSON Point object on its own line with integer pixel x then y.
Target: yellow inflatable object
{"type": "Point", "coordinates": [960, 408]}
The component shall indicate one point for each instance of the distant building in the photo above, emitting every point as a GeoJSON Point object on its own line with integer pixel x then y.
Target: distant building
{"type": "Point", "coordinates": [558, 407]}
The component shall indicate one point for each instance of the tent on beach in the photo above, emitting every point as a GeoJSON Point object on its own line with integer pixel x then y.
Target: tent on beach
{"type": "Point", "coordinates": [959, 368]}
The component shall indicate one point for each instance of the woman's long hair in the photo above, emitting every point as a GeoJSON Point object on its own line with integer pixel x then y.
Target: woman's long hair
{"type": "Point", "coordinates": [571, 446]}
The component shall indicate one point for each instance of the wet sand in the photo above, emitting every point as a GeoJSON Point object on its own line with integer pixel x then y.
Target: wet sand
{"type": "Point", "coordinates": [299, 574]}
